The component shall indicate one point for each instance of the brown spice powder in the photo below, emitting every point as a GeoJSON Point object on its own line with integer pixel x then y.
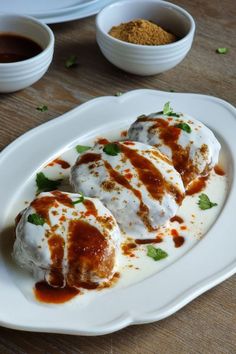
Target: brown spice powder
{"type": "Point", "coordinates": [142, 32]}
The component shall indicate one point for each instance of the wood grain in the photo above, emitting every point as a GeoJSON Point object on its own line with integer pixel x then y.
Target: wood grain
{"type": "Point", "coordinates": [208, 324]}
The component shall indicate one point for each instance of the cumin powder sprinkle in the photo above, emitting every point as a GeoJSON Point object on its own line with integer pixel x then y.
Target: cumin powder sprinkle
{"type": "Point", "coordinates": [142, 32]}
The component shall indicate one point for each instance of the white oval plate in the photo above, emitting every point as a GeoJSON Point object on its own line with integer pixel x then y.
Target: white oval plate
{"type": "Point", "coordinates": [43, 7]}
{"type": "Point", "coordinates": [55, 12]}
{"type": "Point", "coordinates": [211, 261]}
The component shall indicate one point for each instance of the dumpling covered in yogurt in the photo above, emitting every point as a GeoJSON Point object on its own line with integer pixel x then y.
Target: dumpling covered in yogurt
{"type": "Point", "coordinates": [136, 182]}
{"type": "Point", "coordinates": [188, 143]}
{"type": "Point", "coordinates": [67, 239]}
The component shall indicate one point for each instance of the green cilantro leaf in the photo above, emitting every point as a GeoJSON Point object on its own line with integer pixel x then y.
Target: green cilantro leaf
{"type": "Point", "coordinates": [82, 148]}
{"type": "Point", "coordinates": [71, 61]}
{"type": "Point", "coordinates": [42, 108]}
{"type": "Point", "coordinates": [44, 184]}
{"type": "Point", "coordinates": [168, 111]}
{"type": "Point", "coordinates": [118, 94]}
{"type": "Point", "coordinates": [222, 50]}
{"type": "Point", "coordinates": [112, 149]}
{"type": "Point", "coordinates": [80, 200]}
{"type": "Point", "coordinates": [156, 253]}
{"type": "Point", "coordinates": [36, 219]}
{"type": "Point", "coordinates": [185, 127]}
{"type": "Point", "coordinates": [167, 108]}
{"type": "Point", "coordinates": [204, 202]}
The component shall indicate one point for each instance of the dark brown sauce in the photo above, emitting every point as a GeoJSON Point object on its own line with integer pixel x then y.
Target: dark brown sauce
{"type": "Point", "coordinates": [150, 176]}
{"type": "Point", "coordinates": [162, 157]}
{"type": "Point", "coordinates": [62, 163]}
{"type": "Point", "coordinates": [120, 179]}
{"type": "Point", "coordinates": [128, 248]}
{"type": "Point", "coordinates": [124, 133]}
{"type": "Point", "coordinates": [55, 242]}
{"type": "Point", "coordinates": [87, 158]}
{"type": "Point", "coordinates": [178, 240]}
{"type": "Point", "coordinates": [197, 185]}
{"type": "Point", "coordinates": [219, 170]}
{"type": "Point", "coordinates": [46, 293]}
{"type": "Point", "coordinates": [174, 233]}
{"type": "Point", "coordinates": [102, 141]}
{"type": "Point", "coordinates": [183, 227]}
{"type": "Point", "coordinates": [56, 246]}
{"type": "Point", "coordinates": [87, 285]}
{"type": "Point", "coordinates": [42, 205]}
{"type": "Point", "coordinates": [62, 198]}
{"type": "Point", "coordinates": [129, 142]}
{"type": "Point", "coordinates": [177, 218]}
{"type": "Point", "coordinates": [128, 175]}
{"type": "Point", "coordinates": [91, 209]}
{"type": "Point", "coordinates": [169, 134]}
{"type": "Point", "coordinates": [88, 254]}
{"type": "Point", "coordinates": [149, 240]}
{"type": "Point", "coordinates": [14, 47]}
{"type": "Point", "coordinates": [106, 221]}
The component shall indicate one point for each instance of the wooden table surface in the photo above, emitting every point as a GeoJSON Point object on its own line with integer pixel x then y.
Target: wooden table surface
{"type": "Point", "coordinates": [208, 324]}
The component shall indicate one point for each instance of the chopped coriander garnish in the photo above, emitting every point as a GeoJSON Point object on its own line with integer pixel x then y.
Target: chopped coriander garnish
{"type": "Point", "coordinates": [80, 200]}
{"type": "Point", "coordinates": [71, 61]}
{"type": "Point", "coordinates": [173, 114]}
{"type": "Point", "coordinates": [42, 108]}
{"type": "Point", "coordinates": [118, 94]}
{"type": "Point", "coordinates": [168, 111]}
{"type": "Point", "coordinates": [36, 219]}
{"type": "Point", "coordinates": [185, 127]}
{"type": "Point", "coordinates": [112, 149]}
{"type": "Point", "coordinates": [204, 202]}
{"type": "Point", "coordinates": [156, 253]}
{"type": "Point", "coordinates": [167, 108]}
{"type": "Point", "coordinates": [45, 184]}
{"type": "Point", "coordinates": [222, 50]}
{"type": "Point", "coordinates": [82, 148]}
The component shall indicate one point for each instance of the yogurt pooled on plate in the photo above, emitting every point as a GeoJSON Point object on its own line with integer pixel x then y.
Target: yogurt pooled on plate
{"type": "Point", "coordinates": [136, 182]}
{"type": "Point", "coordinates": [67, 239]}
{"type": "Point", "coordinates": [192, 147]}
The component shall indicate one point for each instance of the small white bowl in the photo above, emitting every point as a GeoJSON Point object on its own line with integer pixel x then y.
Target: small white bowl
{"type": "Point", "coordinates": [145, 59]}
{"type": "Point", "coordinates": [18, 75]}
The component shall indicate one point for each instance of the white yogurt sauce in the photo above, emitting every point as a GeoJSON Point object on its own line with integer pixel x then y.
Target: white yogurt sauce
{"type": "Point", "coordinates": [132, 269]}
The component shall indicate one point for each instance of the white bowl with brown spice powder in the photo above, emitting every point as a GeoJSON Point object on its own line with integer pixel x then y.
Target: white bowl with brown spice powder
{"type": "Point", "coordinates": [144, 37]}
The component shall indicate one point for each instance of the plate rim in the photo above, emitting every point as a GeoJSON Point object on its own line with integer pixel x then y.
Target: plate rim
{"type": "Point", "coordinates": [61, 10]}
{"type": "Point", "coordinates": [86, 10]}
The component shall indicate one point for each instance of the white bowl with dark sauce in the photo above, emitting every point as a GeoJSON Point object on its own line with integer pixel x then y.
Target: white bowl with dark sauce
{"type": "Point", "coordinates": [26, 51]}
